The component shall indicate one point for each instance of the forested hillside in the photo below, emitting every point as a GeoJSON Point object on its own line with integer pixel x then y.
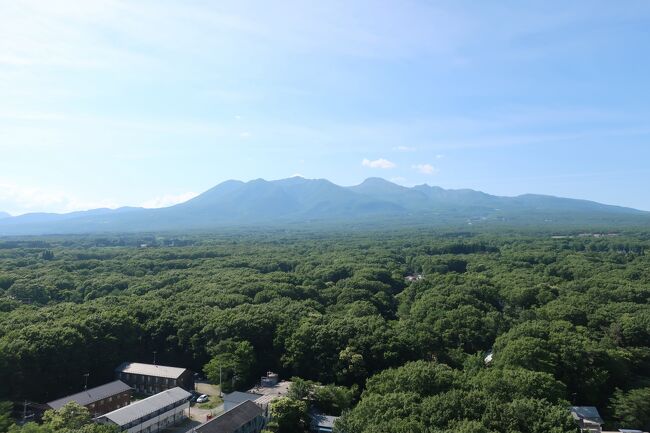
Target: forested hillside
{"type": "Point", "coordinates": [567, 319]}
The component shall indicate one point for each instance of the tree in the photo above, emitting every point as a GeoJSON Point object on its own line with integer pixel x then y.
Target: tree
{"type": "Point", "coordinates": [232, 363]}
{"type": "Point", "coordinates": [632, 408]}
{"type": "Point", "coordinates": [289, 415]}
{"type": "Point", "coordinates": [301, 389]}
{"type": "Point", "coordinates": [332, 399]}
{"type": "Point", "coordinates": [71, 416]}
{"type": "Point", "coordinates": [5, 415]}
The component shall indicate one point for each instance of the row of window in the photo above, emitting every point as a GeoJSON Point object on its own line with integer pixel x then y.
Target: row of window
{"type": "Point", "coordinates": [162, 424]}
{"type": "Point", "coordinates": [154, 414]}
{"type": "Point", "coordinates": [109, 399]}
{"type": "Point", "coordinates": [139, 378]}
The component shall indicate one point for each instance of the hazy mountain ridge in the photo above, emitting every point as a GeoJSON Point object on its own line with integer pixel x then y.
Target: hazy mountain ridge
{"type": "Point", "coordinates": [298, 200]}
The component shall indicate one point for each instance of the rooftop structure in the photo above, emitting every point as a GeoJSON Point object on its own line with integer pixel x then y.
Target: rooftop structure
{"type": "Point", "coordinates": [271, 379]}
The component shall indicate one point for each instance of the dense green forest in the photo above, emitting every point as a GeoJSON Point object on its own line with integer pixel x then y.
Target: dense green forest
{"type": "Point", "coordinates": [567, 319]}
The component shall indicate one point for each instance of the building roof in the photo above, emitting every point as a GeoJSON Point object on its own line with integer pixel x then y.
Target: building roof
{"type": "Point", "coordinates": [150, 370]}
{"type": "Point", "coordinates": [586, 413]}
{"type": "Point", "coordinates": [91, 395]}
{"type": "Point", "coordinates": [146, 406]}
{"type": "Point", "coordinates": [240, 397]}
{"type": "Point", "coordinates": [321, 420]}
{"type": "Point", "coordinates": [230, 421]}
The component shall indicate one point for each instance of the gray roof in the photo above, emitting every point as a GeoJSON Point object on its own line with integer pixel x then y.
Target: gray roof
{"type": "Point", "coordinates": [231, 420]}
{"type": "Point", "coordinates": [240, 397]}
{"type": "Point", "coordinates": [91, 395]}
{"type": "Point", "coordinates": [151, 370]}
{"type": "Point", "coordinates": [586, 413]}
{"type": "Point", "coordinates": [144, 407]}
{"type": "Point", "coordinates": [322, 420]}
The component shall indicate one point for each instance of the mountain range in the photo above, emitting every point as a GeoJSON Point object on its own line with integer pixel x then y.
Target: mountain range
{"type": "Point", "coordinates": [298, 201]}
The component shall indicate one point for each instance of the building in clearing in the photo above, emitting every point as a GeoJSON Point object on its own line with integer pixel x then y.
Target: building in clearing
{"type": "Point", "coordinates": [99, 400]}
{"type": "Point", "coordinates": [246, 417]}
{"type": "Point", "coordinates": [152, 379]}
{"type": "Point", "coordinates": [152, 414]}
{"type": "Point", "coordinates": [321, 423]}
{"type": "Point", "coordinates": [587, 418]}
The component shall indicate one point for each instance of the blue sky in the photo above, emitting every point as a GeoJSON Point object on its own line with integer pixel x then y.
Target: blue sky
{"type": "Point", "coordinates": [111, 103]}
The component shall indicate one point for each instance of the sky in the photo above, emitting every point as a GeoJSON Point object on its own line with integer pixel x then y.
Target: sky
{"type": "Point", "coordinates": [110, 103]}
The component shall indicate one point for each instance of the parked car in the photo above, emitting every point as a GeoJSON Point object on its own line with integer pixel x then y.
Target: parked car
{"type": "Point", "coordinates": [202, 398]}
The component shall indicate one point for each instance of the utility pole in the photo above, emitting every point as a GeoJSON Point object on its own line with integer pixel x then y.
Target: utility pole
{"type": "Point", "coordinates": [154, 357]}
{"type": "Point", "coordinates": [86, 380]}
{"type": "Point", "coordinates": [220, 392]}
{"type": "Point", "coordinates": [25, 412]}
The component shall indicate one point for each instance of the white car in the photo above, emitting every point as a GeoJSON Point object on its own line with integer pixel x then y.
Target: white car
{"type": "Point", "coordinates": [202, 398]}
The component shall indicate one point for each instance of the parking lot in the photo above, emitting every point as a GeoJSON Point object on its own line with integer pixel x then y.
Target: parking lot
{"type": "Point", "coordinates": [214, 406]}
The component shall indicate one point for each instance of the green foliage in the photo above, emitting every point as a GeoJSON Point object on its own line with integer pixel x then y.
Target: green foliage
{"type": "Point", "coordinates": [332, 399]}
{"type": "Point", "coordinates": [567, 319]}
{"type": "Point", "coordinates": [431, 398]}
{"type": "Point", "coordinates": [301, 389]}
{"type": "Point", "coordinates": [5, 415]}
{"type": "Point", "coordinates": [232, 364]}
{"type": "Point", "coordinates": [71, 416]}
{"type": "Point", "coordinates": [289, 415]}
{"type": "Point", "coordinates": [632, 408]}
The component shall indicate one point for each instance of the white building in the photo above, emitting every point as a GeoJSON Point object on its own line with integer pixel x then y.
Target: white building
{"type": "Point", "coordinates": [152, 414]}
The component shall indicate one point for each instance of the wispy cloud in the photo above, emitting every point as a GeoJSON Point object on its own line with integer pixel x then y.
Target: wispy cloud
{"type": "Point", "coordinates": [378, 163]}
{"type": "Point", "coordinates": [425, 168]}
{"type": "Point", "coordinates": [405, 148]}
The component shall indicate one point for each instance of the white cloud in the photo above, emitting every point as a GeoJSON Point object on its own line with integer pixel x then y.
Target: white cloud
{"type": "Point", "coordinates": [245, 134]}
{"type": "Point", "coordinates": [378, 163]}
{"type": "Point", "coordinates": [168, 200]}
{"type": "Point", "coordinates": [440, 156]}
{"type": "Point", "coordinates": [425, 168]}
{"type": "Point", "coordinates": [405, 148]}
{"type": "Point", "coordinates": [19, 199]}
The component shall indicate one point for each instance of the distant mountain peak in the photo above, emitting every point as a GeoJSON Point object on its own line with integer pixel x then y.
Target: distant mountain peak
{"type": "Point", "coordinates": [297, 200]}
